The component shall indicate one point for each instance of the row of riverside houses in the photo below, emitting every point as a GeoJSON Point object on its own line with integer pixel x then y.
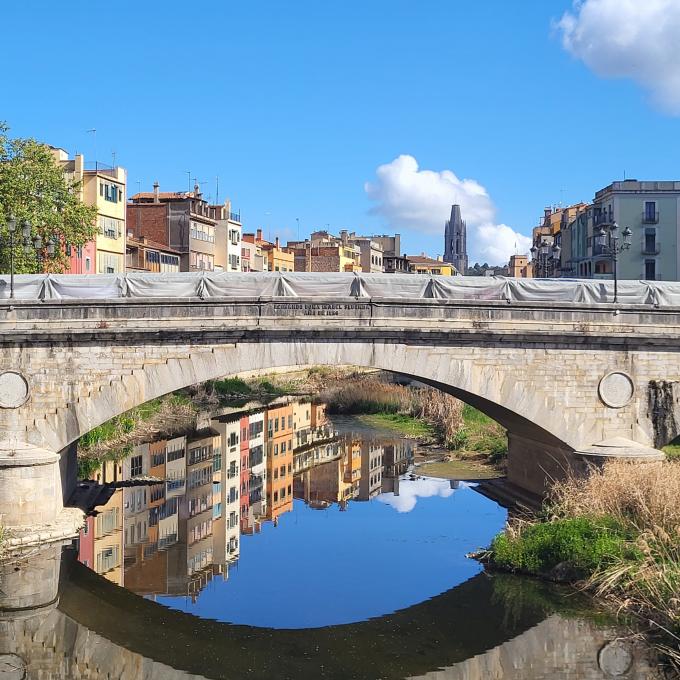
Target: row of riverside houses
{"type": "Point", "coordinates": [181, 231]}
{"type": "Point", "coordinates": [576, 241]}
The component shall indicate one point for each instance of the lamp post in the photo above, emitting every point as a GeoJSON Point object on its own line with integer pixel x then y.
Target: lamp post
{"type": "Point", "coordinates": [546, 257]}
{"type": "Point", "coordinates": [607, 239]}
{"type": "Point", "coordinates": [29, 245]}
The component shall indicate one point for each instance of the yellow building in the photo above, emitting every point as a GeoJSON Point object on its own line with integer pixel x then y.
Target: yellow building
{"type": "Point", "coordinates": [105, 188]}
{"type": "Point", "coordinates": [420, 264]}
{"type": "Point", "coordinates": [519, 267]}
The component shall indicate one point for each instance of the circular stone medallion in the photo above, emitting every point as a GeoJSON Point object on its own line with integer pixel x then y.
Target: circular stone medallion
{"type": "Point", "coordinates": [13, 389]}
{"type": "Point", "coordinates": [616, 389]}
{"type": "Point", "coordinates": [615, 658]}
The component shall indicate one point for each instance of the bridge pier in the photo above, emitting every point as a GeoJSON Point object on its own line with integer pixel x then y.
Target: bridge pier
{"type": "Point", "coordinates": [534, 466]}
{"type": "Point", "coordinates": [30, 485]}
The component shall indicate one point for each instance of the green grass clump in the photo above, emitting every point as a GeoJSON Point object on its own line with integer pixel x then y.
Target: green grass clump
{"type": "Point", "coordinates": [585, 544]}
{"type": "Point", "coordinates": [480, 434]}
{"type": "Point", "coordinates": [230, 386]}
{"type": "Point", "coordinates": [672, 451]}
{"type": "Point", "coordinates": [407, 425]}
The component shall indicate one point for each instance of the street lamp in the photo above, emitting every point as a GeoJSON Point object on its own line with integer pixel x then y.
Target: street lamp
{"type": "Point", "coordinates": [29, 245]}
{"type": "Point", "coordinates": [607, 239]}
{"type": "Point", "coordinates": [546, 257]}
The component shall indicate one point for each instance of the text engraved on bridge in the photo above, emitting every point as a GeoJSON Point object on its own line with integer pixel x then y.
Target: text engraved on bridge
{"type": "Point", "coordinates": [329, 309]}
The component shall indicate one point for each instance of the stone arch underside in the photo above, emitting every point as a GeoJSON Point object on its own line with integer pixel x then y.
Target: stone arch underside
{"type": "Point", "coordinates": [475, 376]}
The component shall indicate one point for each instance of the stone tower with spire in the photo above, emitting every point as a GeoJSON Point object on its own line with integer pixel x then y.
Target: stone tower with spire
{"type": "Point", "coordinates": [455, 241]}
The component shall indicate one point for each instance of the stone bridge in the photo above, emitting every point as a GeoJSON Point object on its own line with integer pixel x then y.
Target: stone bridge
{"type": "Point", "coordinates": [570, 382]}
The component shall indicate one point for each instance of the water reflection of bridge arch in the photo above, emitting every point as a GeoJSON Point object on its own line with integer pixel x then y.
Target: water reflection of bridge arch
{"type": "Point", "coordinates": [99, 626]}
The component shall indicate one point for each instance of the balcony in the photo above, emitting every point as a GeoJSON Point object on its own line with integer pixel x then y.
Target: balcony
{"type": "Point", "coordinates": [601, 218]}
{"type": "Point", "coordinates": [650, 217]}
{"type": "Point", "coordinates": [235, 217]}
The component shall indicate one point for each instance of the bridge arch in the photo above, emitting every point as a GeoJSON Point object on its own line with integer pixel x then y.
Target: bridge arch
{"type": "Point", "coordinates": [540, 443]}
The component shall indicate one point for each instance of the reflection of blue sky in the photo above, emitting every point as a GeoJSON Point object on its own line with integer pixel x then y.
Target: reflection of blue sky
{"type": "Point", "coordinates": [327, 567]}
{"type": "Point", "coordinates": [410, 490]}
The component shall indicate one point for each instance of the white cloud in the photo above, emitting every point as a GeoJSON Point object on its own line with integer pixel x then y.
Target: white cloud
{"type": "Point", "coordinates": [636, 39]}
{"type": "Point", "coordinates": [410, 490]}
{"type": "Point", "coordinates": [420, 201]}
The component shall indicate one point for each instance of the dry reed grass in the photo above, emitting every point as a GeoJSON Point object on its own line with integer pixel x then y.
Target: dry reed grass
{"type": "Point", "coordinates": [644, 500]}
{"type": "Point", "coordinates": [371, 395]}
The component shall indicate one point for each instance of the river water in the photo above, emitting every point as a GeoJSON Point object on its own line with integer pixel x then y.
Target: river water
{"type": "Point", "coordinates": [276, 542]}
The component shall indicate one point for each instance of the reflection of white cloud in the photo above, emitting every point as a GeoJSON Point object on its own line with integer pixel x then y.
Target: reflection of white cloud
{"type": "Point", "coordinates": [410, 490]}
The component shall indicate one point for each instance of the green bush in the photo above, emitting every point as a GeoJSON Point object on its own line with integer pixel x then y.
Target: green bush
{"type": "Point", "coordinates": [459, 440]}
{"type": "Point", "coordinates": [231, 386]}
{"type": "Point", "coordinates": [585, 544]}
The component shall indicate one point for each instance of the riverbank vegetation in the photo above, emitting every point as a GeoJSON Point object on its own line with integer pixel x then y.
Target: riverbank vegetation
{"type": "Point", "coordinates": [164, 416]}
{"type": "Point", "coordinates": [480, 437]}
{"type": "Point", "coordinates": [414, 411]}
{"type": "Point", "coordinates": [421, 412]}
{"type": "Point", "coordinates": [617, 533]}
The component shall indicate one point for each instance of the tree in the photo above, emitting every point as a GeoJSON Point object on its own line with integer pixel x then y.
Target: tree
{"type": "Point", "coordinates": [34, 187]}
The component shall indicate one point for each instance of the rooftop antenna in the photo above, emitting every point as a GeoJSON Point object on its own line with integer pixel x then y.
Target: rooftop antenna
{"type": "Point", "coordinates": [189, 179]}
{"type": "Point", "coordinates": [113, 156]}
{"type": "Point", "coordinates": [217, 190]}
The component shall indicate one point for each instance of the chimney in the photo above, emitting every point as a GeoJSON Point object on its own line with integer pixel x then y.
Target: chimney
{"type": "Point", "coordinates": [276, 242]}
{"type": "Point", "coordinates": [343, 237]}
{"type": "Point", "coordinates": [547, 212]}
{"type": "Point", "coordinates": [156, 197]}
{"type": "Point", "coordinates": [259, 234]}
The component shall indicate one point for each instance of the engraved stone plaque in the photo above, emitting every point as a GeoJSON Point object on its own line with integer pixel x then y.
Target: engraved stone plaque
{"type": "Point", "coordinates": [13, 389]}
{"type": "Point", "coordinates": [616, 389]}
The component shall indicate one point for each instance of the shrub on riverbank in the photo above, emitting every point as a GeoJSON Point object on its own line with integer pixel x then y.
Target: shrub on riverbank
{"type": "Point", "coordinates": [480, 435]}
{"type": "Point", "coordinates": [619, 529]}
{"type": "Point", "coordinates": [163, 416]}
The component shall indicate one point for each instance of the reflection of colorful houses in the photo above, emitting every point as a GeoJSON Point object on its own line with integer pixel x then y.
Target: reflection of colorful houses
{"type": "Point", "coordinates": [370, 483]}
{"type": "Point", "coordinates": [101, 544]}
{"type": "Point", "coordinates": [257, 464]}
{"type": "Point", "coordinates": [279, 444]}
{"type": "Point", "coordinates": [397, 457]}
{"type": "Point", "coordinates": [201, 451]}
{"type": "Point", "coordinates": [335, 481]}
{"type": "Point", "coordinates": [108, 539]}
{"type": "Point", "coordinates": [227, 527]}
{"type": "Point", "coordinates": [244, 448]}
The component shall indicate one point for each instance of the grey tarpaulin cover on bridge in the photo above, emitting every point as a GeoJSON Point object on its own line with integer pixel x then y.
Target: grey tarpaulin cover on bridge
{"type": "Point", "coordinates": [340, 285]}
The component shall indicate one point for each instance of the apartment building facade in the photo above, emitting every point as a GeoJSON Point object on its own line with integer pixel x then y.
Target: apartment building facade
{"type": "Point", "coordinates": [181, 221]}
{"type": "Point", "coordinates": [105, 188]}
{"type": "Point", "coordinates": [650, 209]}
{"type": "Point", "coordinates": [228, 236]}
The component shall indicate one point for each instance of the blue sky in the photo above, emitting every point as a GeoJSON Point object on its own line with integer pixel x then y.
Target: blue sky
{"type": "Point", "coordinates": [296, 105]}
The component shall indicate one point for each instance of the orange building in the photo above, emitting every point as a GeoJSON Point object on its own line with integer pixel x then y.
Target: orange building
{"type": "Point", "coordinates": [279, 443]}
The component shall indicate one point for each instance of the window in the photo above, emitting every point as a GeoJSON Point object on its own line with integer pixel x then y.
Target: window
{"type": "Point", "coordinates": [110, 192]}
{"type": "Point", "coordinates": [87, 264]}
{"type": "Point", "coordinates": [135, 466]}
{"type": "Point", "coordinates": [650, 240]}
{"type": "Point", "coordinates": [650, 212]}
{"type": "Point", "coordinates": [650, 270]}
